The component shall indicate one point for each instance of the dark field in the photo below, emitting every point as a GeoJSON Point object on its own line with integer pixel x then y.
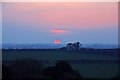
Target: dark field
{"type": "Point", "coordinates": [89, 63]}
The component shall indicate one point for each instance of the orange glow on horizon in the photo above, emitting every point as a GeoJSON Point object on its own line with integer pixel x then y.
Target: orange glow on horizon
{"type": "Point", "coordinates": [57, 42]}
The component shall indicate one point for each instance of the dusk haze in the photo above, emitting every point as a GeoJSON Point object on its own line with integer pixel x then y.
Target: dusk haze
{"type": "Point", "coordinates": [44, 22]}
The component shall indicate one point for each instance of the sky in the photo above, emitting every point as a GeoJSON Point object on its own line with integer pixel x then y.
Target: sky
{"type": "Point", "coordinates": [0, 24]}
{"type": "Point", "coordinates": [46, 22]}
{"type": "Point", "coordinates": [59, 0]}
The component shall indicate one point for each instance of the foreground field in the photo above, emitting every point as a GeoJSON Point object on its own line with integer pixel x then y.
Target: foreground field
{"type": "Point", "coordinates": [94, 63]}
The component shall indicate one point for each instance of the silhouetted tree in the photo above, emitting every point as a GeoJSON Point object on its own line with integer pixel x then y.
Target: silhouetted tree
{"type": "Point", "coordinates": [63, 66]}
{"type": "Point", "coordinates": [69, 46]}
{"type": "Point", "coordinates": [77, 45]}
{"type": "Point", "coordinates": [60, 70]}
{"type": "Point", "coordinates": [73, 46]}
{"type": "Point", "coordinates": [65, 71]}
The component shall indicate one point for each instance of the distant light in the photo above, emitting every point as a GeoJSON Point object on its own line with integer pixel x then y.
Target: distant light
{"type": "Point", "coordinates": [57, 42]}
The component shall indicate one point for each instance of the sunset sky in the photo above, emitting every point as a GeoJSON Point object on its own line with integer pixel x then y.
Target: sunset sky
{"type": "Point", "coordinates": [45, 22]}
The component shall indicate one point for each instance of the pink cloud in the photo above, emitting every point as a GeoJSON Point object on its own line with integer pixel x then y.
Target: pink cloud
{"type": "Point", "coordinates": [58, 31]}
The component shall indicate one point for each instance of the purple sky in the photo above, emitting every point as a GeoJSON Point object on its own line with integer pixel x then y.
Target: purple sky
{"type": "Point", "coordinates": [93, 22]}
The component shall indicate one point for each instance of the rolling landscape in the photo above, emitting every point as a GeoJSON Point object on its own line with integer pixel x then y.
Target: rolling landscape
{"type": "Point", "coordinates": [89, 62]}
{"type": "Point", "coordinates": [60, 41]}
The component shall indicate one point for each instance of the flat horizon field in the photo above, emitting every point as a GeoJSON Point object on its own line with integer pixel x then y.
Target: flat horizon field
{"type": "Point", "coordinates": [94, 63]}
